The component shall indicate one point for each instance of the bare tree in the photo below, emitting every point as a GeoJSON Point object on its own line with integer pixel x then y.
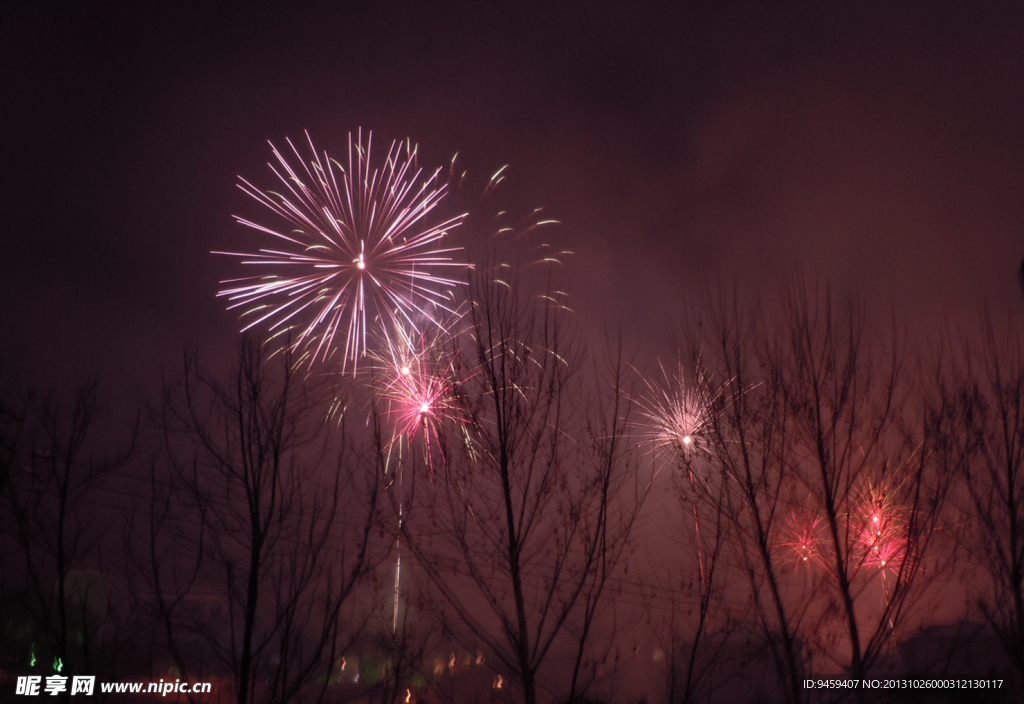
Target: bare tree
{"type": "Point", "coordinates": [861, 442]}
{"type": "Point", "coordinates": [162, 574]}
{"type": "Point", "coordinates": [827, 447]}
{"type": "Point", "coordinates": [745, 446]}
{"type": "Point", "coordinates": [279, 511]}
{"type": "Point", "coordinates": [53, 466]}
{"type": "Point", "coordinates": [988, 447]}
{"type": "Point", "coordinates": [700, 628]}
{"type": "Point", "coordinates": [620, 494]}
{"type": "Point", "coordinates": [521, 528]}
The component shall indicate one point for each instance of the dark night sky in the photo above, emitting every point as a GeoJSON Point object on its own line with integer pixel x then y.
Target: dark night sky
{"type": "Point", "coordinates": [882, 148]}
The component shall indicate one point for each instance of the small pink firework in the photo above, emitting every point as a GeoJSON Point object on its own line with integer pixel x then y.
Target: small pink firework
{"type": "Point", "coordinates": [802, 541]}
{"type": "Point", "coordinates": [678, 416]}
{"type": "Point", "coordinates": [356, 243]}
{"type": "Point", "coordinates": [419, 384]}
{"type": "Point", "coordinates": [881, 535]}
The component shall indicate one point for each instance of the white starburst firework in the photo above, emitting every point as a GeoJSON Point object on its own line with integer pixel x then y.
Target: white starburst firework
{"type": "Point", "coordinates": [678, 416]}
{"type": "Point", "coordinates": [356, 243]}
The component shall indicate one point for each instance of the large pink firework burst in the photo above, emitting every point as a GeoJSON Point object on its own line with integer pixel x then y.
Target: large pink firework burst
{"type": "Point", "coordinates": [356, 243]}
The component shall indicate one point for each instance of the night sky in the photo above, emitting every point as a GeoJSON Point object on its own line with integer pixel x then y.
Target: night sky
{"type": "Point", "coordinates": [879, 147]}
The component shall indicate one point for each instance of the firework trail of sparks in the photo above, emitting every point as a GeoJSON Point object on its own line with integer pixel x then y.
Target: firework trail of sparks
{"type": "Point", "coordinates": [355, 244]}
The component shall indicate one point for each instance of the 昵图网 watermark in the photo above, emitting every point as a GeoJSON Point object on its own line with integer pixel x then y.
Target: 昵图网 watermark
{"type": "Point", "coordinates": [35, 685]}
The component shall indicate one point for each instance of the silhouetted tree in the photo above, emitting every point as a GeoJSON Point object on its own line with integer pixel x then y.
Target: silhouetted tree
{"type": "Point", "coordinates": [54, 465]}
{"type": "Point", "coordinates": [701, 626]}
{"type": "Point", "coordinates": [987, 442]}
{"type": "Point", "coordinates": [520, 529]}
{"type": "Point", "coordinates": [746, 446]}
{"type": "Point", "coordinates": [278, 509]}
{"type": "Point", "coordinates": [861, 460]}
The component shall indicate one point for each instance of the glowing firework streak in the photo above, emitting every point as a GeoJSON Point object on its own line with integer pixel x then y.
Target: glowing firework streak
{"type": "Point", "coordinates": [359, 242]}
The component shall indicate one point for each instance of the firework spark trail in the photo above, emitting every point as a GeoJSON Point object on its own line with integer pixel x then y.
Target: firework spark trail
{"type": "Point", "coordinates": [416, 396]}
{"type": "Point", "coordinates": [362, 246]}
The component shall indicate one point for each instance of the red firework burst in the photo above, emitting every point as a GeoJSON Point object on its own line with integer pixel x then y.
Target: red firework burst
{"type": "Point", "coordinates": [802, 540]}
{"type": "Point", "coordinates": [882, 535]}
